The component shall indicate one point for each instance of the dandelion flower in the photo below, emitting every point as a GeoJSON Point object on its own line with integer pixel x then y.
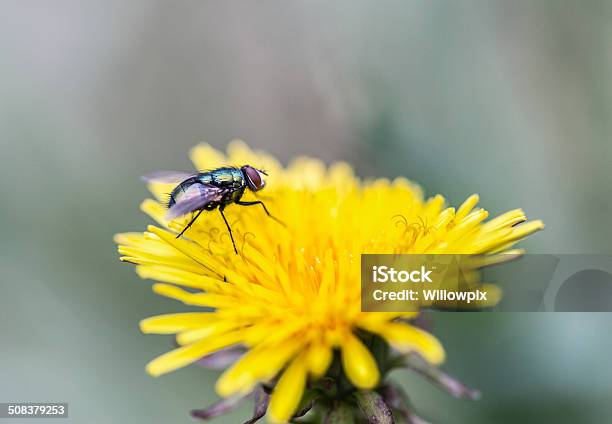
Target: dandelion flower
{"type": "Point", "coordinates": [291, 297]}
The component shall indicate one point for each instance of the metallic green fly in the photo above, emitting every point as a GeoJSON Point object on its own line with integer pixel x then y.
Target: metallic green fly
{"type": "Point", "coordinates": [207, 191]}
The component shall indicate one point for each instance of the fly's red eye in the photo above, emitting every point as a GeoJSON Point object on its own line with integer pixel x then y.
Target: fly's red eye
{"type": "Point", "coordinates": [253, 178]}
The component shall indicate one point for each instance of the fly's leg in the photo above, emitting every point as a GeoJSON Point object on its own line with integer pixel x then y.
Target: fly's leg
{"type": "Point", "coordinates": [190, 223]}
{"type": "Point", "coordinates": [228, 228]}
{"type": "Point", "coordinates": [259, 202]}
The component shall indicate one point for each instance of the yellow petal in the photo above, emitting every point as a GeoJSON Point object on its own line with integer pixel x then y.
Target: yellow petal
{"type": "Point", "coordinates": [206, 330]}
{"type": "Point", "coordinates": [239, 153]}
{"type": "Point", "coordinates": [524, 230]}
{"type": "Point", "coordinates": [161, 190]}
{"type": "Point", "coordinates": [186, 355]}
{"type": "Point", "coordinates": [319, 358]}
{"type": "Point", "coordinates": [407, 338]}
{"type": "Point", "coordinates": [466, 207]}
{"type": "Point", "coordinates": [155, 210]}
{"type": "Point", "coordinates": [359, 364]}
{"type": "Point", "coordinates": [173, 323]}
{"type": "Point", "coordinates": [189, 249]}
{"type": "Point", "coordinates": [259, 364]}
{"type": "Point", "coordinates": [188, 298]}
{"type": "Point", "coordinates": [177, 276]}
{"type": "Point", "coordinates": [288, 392]}
{"type": "Point", "coordinates": [206, 157]}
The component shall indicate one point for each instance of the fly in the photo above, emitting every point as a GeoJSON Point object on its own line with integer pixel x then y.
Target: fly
{"type": "Point", "coordinates": [207, 191]}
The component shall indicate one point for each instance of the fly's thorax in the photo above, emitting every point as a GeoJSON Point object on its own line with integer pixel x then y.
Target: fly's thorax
{"type": "Point", "coordinates": [230, 178]}
{"type": "Point", "coordinates": [235, 195]}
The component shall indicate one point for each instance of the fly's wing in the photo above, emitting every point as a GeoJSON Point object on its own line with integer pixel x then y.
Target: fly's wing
{"type": "Point", "coordinates": [195, 197]}
{"type": "Point", "coordinates": [168, 176]}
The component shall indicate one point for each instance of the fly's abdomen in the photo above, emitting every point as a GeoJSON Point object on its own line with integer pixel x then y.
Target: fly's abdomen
{"type": "Point", "coordinates": [180, 189]}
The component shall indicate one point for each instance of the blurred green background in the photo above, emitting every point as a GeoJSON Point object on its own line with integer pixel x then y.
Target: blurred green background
{"type": "Point", "coordinates": [510, 99]}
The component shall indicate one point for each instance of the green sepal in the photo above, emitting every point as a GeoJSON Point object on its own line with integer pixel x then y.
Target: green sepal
{"type": "Point", "coordinates": [373, 407]}
{"type": "Point", "coordinates": [340, 413]}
